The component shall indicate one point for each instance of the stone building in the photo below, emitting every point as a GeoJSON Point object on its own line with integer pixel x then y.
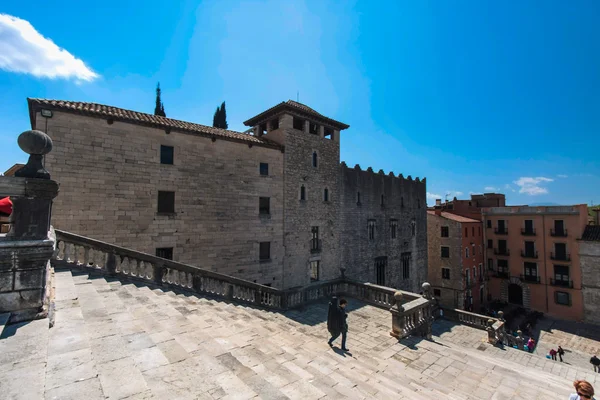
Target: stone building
{"type": "Point", "coordinates": [533, 255]}
{"type": "Point", "coordinates": [455, 256]}
{"type": "Point", "coordinates": [275, 206]}
{"type": "Point", "coordinates": [589, 259]}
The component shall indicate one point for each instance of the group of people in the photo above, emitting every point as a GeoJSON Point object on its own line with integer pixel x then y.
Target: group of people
{"type": "Point", "coordinates": [560, 352]}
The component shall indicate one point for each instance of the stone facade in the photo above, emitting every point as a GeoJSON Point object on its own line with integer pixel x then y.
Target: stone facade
{"type": "Point", "coordinates": [383, 201]}
{"type": "Point", "coordinates": [589, 258]}
{"type": "Point", "coordinates": [109, 170]}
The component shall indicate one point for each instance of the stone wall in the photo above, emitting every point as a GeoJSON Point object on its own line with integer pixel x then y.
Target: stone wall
{"type": "Point", "coordinates": [404, 201]}
{"type": "Point", "coordinates": [451, 291]}
{"type": "Point", "coordinates": [110, 175]}
{"type": "Point", "coordinates": [589, 256]}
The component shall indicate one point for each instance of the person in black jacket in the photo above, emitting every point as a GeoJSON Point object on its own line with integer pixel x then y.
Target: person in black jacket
{"type": "Point", "coordinates": [336, 321]}
{"type": "Point", "coordinates": [595, 361]}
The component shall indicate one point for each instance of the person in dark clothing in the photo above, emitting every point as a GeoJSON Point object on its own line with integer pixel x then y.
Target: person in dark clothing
{"type": "Point", "coordinates": [561, 353]}
{"type": "Point", "coordinates": [595, 361]}
{"type": "Point", "coordinates": [336, 321]}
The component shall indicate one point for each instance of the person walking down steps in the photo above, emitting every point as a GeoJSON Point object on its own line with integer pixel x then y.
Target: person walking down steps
{"type": "Point", "coordinates": [595, 361]}
{"type": "Point", "coordinates": [336, 321]}
{"type": "Point", "coordinates": [561, 353]}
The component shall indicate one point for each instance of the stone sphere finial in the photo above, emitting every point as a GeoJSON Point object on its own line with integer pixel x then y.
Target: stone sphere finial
{"type": "Point", "coordinates": [426, 287]}
{"type": "Point", "coordinates": [35, 142]}
{"type": "Point", "coordinates": [490, 322]}
{"type": "Point", "coordinates": [398, 296]}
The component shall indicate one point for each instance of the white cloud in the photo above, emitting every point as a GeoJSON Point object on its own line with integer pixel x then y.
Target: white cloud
{"type": "Point", "coordinates": [491, 189]}
{"type": "Point", "coordinates": [433, 196]}
{"type": "Point", "coordinates": [25, 50]}
{"type": "Point", "coordinates": [508, 187]}
{"type": "Point", "coordinates": [562, 176]}
{"type": "Point", "coordinates": [456, 193]}
{"type": "Point", "coordinates": [532, 186]}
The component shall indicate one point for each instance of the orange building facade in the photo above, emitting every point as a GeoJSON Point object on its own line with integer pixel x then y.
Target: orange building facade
{"type": "Point", "coordinates": [532, 257]}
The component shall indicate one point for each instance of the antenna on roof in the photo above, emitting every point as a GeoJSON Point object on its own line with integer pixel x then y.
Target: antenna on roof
{"type": "Point", "coordinates": [446, 199]}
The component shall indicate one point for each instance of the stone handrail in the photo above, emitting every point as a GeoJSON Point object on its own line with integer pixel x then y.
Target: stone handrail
{"type": "Point", "coordinates": [412, 318]}
{"type": "Point", "coordinates": [468, 318]}
{"type": "Point", "coordinates": [83, 252]}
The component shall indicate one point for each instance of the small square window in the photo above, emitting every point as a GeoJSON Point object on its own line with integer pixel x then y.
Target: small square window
{"type": "Point", "coordinates": [562, 298]}
{"type": "Point", "coordinates": [264, 205]}
{"type": "Point", "coordinates": [166, 202]}
{"type": "Point", "coordinates": [265, 251]}
{"type": "Point", "coordinates": [445, 252]}
{"type": "Point", "coordinates": [445, 273]}
{"type": "Point", "coordinates": [166, 154]}
{"type": "Point", "coordinates": [445, 231]}
{"type": "Point", "coordinates": [165, 252]}
{"type": "Point", "coordinates": [264, 169]}
{"type": "Point", "coordinates": [298, 123]}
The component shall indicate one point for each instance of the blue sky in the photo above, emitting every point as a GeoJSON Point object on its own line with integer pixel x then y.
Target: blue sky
{"type": "Point", "coordinates": [476, 96]}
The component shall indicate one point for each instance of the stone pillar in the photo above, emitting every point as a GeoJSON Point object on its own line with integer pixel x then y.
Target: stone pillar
{"type": "Point", "coordinates": [398, 322]}
{"type": "Point", "coordinates": [26, 250]}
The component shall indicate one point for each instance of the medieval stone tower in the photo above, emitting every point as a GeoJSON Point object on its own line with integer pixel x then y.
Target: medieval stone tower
{"type": "Point", "coordinates": [311, 189]}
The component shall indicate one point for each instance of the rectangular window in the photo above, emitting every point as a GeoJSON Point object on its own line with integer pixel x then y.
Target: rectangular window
{"type": "Point", "coordinates": [380, 264]}
{"type": "Point", "coordinates": [481, 272]}
{"type": "Point", "coordinates": [559, 226]}
{"type": "Point", "coordinates": [445, 273]}
{"type": "Point", "coordinates": [393, 228]}
{"type": "Point", "coordinates": [529, 249]}
{"type": "Point", "coordinates": [445, 252]}
{"type": "Point", "coordinates": [405, 257]}
{"type": "Point", "coordinates": [315, 244]}
{"type": "Point", "coordinates": [528, 226]}
{"type": "Point", "coordinates": [274, 124]}
{"type": "Point", "coordinates": [466, 252]}
{"type": "Point", "coordinates": [326, 194]}
{"type": "Point", "coordinates": [489, 223]}
{"type": "Point", "coordinates": [479, 229]}
{"type": "Point", "coordinates": [490, 244]}
{"type": "Point", "coordinates": [314, 271]}
{"type": "Point", "coordinates": [490, 264]}
{"type": "Point", "coordinates": [560, 251]}
{"type": "Point", "coordinates": [466, 232]}
{"type": "Point", "coordinates": [530, 269]}
{"type": "Point", "coordinates": [502, 246]}
{"type": "Point", "coordinates": [562, 298]}
{"type": "Point", "coordinates": [298, 123]}
{"type": "Point", "coordinates": [445, 231]}
{"type": "Point", "coordinates": [371, 228]}
{"type": "Point", "coordinates": [313, 128]}
{"type": "Point", "coordinates": [472, 231]}
{"type": "Point", "coordinates": [264, 169]}
{"type": "Point", "coordinates": [264, 205]}
{"type": "Point", "coordinates": [302, 193]}
{"type": "Point", "coordinates": [165, 252]}
{"type": "Point", "coordinates": [328, 133]}
{"type": "Point", "coordinates": [166, 202]}
{"type": "Point", "coordinates": [468, 278]}
{"type": "Point", "coordinates": [265, 251]}
{"type": "Point", "coordinates": [358, 198]}
{"type": "Point", "coordinates": [561, 273]}
{"type": "Point", "coordinates": [501, 225]}
{"type": "Point", "coordinates": [503, 266]}
{"type": "Point", "coordinates": [166, 154]}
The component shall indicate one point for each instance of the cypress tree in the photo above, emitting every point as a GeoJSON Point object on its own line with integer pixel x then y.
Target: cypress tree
{"type": "Point", "coordinates": [224, 124]}
{"type": "Point", "coordinates": [216, 118]}
{"type": "Point", "coordinates": [159, 109]}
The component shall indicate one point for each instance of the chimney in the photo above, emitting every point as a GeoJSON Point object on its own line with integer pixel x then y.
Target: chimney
{"type": "Point", "coordinates": [438, 202]}
{"type": "Point", "coordinates": [438, 211]}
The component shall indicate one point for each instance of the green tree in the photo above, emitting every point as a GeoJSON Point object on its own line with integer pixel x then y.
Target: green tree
{"type": "Point", "coordinates": [224, 124]}
{"type": "Point", "coordinates": [159, 109]}
{"type": "Point", "coordinates": [220, 117]}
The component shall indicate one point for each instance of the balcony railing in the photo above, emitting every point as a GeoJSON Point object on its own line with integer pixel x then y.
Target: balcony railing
{"type": "Point", "coordinates": [558, 233]}
{"type": "Point", "coordinates": [527, 232]}
{"type": "Point", "coordinates": [502, 252]}
{"type": "Point", "coordinates": [315, 245]}
{"type": "Point", "coordinates": [501, 274]}
{"type": "Point", "coordinates": [530, 278]}
{"type": "Point", "coordinates": [561, 283]}
{"type": "Point", "coordinates": [529, 254]}
{"type": "Point", "coordinates": [501, 231]}
{"type": "Point", "coordinates": [560, 256]}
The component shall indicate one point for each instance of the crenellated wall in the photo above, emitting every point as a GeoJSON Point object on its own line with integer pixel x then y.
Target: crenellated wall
{"type": "Point", "coordinates": [405, 202]}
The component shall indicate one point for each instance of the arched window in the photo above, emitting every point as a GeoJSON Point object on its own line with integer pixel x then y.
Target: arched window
{"type": "Point", "coordinates": [326, 194]}
{"type": "Point", "coordinates": [314, 159]}
{"type": "Point", "coordinates": [302, 193]}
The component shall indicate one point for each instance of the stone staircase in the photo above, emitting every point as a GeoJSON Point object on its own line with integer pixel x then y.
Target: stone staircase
{"type": "Point", "coordinates": [118, 340]}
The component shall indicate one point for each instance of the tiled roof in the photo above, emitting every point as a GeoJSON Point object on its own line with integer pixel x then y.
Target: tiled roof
{"type": "Point", "coordinates": [453, 217]}
{"type": "Point", "coordinates": [134, 117]}
{"type": "Point", "coordinates": [298, 107]}
{"type": "Point", "coordinates": [591, 233]}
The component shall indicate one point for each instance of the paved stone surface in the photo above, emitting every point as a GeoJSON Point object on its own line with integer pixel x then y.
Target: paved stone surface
{"type": "Point", "coordinates": [121, 341]}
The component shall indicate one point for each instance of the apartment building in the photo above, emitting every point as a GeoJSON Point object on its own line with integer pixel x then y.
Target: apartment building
{"type": "Point", "coordinates": [532, 257]}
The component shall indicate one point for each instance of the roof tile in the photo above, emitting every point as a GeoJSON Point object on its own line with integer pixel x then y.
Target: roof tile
{"type": "Point", "coordinates": [120, 114]}
{"type": "Point", "coordinates": [591, 233]}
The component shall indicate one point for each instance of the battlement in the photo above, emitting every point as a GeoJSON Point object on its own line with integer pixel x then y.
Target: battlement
{"type": "Point", "coordinates": [369, 171]}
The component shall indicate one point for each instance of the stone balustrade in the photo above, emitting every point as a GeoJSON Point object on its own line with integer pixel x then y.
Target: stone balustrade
{"type": "Point", "coordinates": [413, 317]}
